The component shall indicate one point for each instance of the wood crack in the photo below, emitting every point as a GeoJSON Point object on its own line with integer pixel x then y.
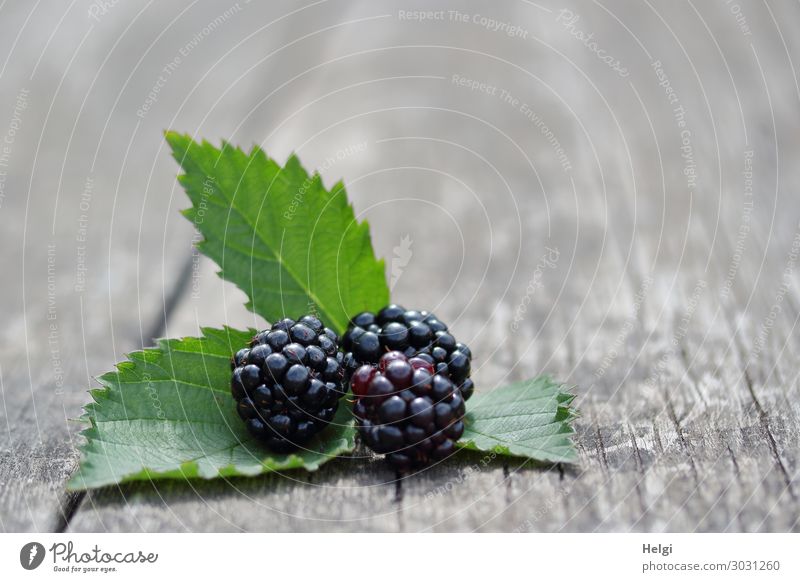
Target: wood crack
{"type": "Point", "coordinates": [69, 507]}
{"type": "Point", "coordinates": [601, 449]}
{"type": "Point", "coordinates": [398, 501]}
{"type": "Point", "coordinates": [637, 457]}
{"type": "Point", "coordinates": [72, 502]}
{"type": "Point", "coordinates": [773, 445]}
{"type": "Point", "coordinates": [682, 439]}
{"type": "Point", "coordinates": [507, 481]}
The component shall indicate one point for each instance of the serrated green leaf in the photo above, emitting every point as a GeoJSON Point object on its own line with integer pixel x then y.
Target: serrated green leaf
{"type": "Point", "coordinates": [279, 235]}
{"type": "Point", "coordinates": [525, 419]}
{"type": "Point", "coordinates": [167, 413]}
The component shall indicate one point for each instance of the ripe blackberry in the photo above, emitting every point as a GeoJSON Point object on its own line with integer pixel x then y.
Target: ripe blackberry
{"type": "Point", "coordinates": [415, 334]}
{"type": "Point", "coordinates": [287, 384]}
{"type": "Point", "coordinates": [407, 412]}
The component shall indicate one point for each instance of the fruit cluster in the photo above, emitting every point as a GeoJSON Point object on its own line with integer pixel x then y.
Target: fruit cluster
{"type": "Point", "coordinates": [408, 374]}
{"type": "Point", "coordinates": [407, 411]}
{"type": "Point", "coordinates": [415, 334]}
{"type": "Point", "coordinates": [288, 383]}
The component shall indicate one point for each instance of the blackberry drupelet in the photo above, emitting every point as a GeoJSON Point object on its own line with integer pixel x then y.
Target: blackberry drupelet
{"type": "Point", "coordinates": [406, 411]}
{"type": "Point", "coordinates": [414, 333]}
{"type": "Point", "coordinates": [287, 384]}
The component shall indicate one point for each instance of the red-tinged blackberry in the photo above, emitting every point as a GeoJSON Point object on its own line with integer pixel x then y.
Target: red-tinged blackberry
{"type": "Point", "coordinates": [414, 333]}
{"type": "Point", "coordinates": [287, 384]}
{"type": "Point", "coordinates": [406, 412]}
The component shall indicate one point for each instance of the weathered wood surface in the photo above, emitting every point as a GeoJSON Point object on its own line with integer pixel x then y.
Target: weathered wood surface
{"type": "Point", "coordinates": [672, 308]}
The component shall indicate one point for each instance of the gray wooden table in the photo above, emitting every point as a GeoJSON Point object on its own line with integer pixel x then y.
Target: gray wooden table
{"type": "Point", "coordinates": [604, 191]}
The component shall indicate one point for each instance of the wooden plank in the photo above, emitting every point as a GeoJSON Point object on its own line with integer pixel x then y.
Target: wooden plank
{"type": "Point", "coordinates": [58, 336]}
{"type": "Point", "coordinates": [695, 457]}
{"type": "Point", "coordinates": [94, 248]}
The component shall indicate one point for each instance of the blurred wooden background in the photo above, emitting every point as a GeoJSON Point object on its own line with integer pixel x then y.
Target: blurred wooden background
{"type": "Point", "coordinates": [617, 178]}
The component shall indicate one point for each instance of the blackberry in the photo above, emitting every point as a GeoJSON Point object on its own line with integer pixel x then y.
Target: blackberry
{"type": "Point", "coordinates": [407, 412]}
{"type": "Point", "coordinates": [287, 384]}
{"type": "Point", "coordinates": [415, 334]}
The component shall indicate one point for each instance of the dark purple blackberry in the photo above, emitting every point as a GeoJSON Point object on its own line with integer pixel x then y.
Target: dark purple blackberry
{"type": "Point", "coordinates": [287, 384]}
{"type": "Point", "coordinates": [404, 411]}
{"type": "Point", "coordinates": [415, 334]}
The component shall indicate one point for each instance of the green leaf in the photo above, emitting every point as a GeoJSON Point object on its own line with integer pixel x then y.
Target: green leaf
{"type": "Point", "coordinates": [525, 419]}
{"type": "Point", "coordinates": [168, 413]}
{"type": "Point", "coordinates": [277, 233]}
